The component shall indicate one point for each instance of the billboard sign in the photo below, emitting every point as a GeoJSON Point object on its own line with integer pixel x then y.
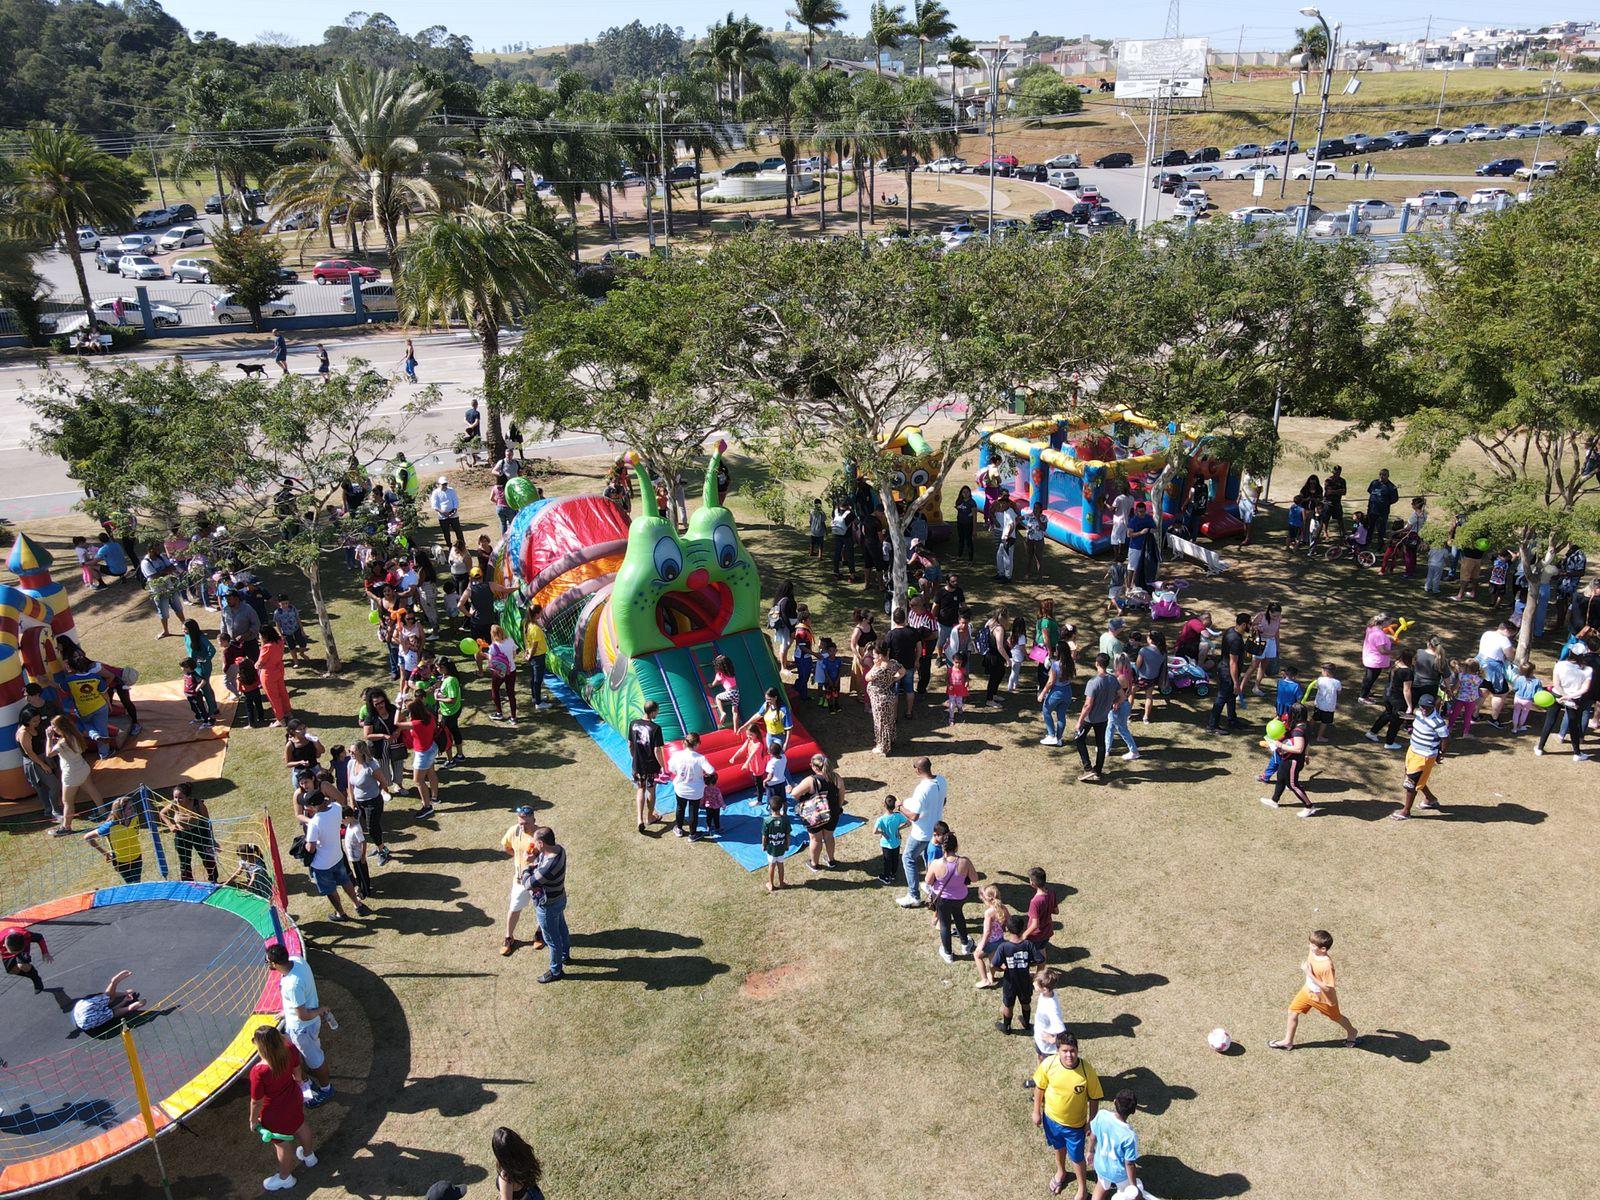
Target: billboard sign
{"type": "Point", "coordinates": [1160, 68]}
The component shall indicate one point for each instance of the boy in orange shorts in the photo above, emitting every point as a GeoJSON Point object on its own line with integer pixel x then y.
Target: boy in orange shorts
{"type": "Point", "coordinates": [1318, 992]}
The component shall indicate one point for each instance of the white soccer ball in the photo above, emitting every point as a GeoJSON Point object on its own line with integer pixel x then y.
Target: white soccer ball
{"type": "Point", "coordinates": [1219, 1040]}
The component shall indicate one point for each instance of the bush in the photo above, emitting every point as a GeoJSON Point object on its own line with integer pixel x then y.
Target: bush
{"type": "Point", "coordinates": [772, 499]}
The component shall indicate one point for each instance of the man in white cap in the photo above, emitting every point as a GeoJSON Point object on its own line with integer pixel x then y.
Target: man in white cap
{"type": "Point", "coordinates": [444, 501]}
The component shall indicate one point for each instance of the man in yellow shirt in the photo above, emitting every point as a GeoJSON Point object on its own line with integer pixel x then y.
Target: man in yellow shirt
{"type": "Point", "coordinates": [1066, 1096]}
{"type": "Point", "coordinates": [518, 842]}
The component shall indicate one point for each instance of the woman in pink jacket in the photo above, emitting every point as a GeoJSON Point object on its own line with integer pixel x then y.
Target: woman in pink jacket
{"type": "Point", "coordinates": [1377, 654]}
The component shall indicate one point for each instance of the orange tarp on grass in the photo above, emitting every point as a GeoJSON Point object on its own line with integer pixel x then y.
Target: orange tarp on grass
{"type": "Point", "coordinates": [169, 748]}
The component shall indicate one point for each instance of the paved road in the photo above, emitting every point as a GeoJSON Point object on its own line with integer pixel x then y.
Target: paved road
{"type": "Point", "coordinates": [34, 486]}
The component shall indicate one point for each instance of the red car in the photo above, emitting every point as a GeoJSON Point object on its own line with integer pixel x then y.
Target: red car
{"type": "Point", "coordinates": [339, 270]}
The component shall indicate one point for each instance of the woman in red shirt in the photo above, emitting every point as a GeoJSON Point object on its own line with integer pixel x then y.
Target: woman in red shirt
{"type": "Point", "coordinates": [420, 730]}
{"type": "Point", "coordinates": [270, 665]}
{"type": "Point", "coordinates": [277, 1109]}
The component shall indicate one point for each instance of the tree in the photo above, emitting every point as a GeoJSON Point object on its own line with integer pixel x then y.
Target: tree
{"type": "Point", "coordinates": [489, 269]}
{"type": "Point", "coordinates": [171, 446]}
{"type": "Point", "coordinates": [1311, 41]}
{"type": "Point", "coordinates": [692, 113]}
{"type": "Point", "coordinates": [930, 22]}
{"type": "Point", "coordinates": [962, 54]}
{"type": "Point", "coordinates": [60, 181]}
{"type": "Point", "coordinates": [248, 264]}
{"type": "Point", "coordinates": [776, 101]}
{"type": "Point", "coordinates": [886, 29]}
{"type": "Point", "coordinates": [1483, 376]}
{"type": "Point", "coordinates": [814, 16]}
{"type": "Point", "coordinates": [823, 100]}
{"type": "Point", "coordinates": [1037, 91]}
{"type": "Point", "coordinates": [643, 369]}
{"type": "Point", "coordinates": [917, 124]}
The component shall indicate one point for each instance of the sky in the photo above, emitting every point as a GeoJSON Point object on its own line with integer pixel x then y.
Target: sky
{"type": "Point", "coordinates": [492, 24]}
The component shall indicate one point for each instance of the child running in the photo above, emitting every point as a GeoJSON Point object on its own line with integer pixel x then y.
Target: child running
{"type": "Point", "coordinates": [956, 687]}
{"type": "Point", "coordinates": [1319, 991]}
{"type": "Point", "coordinates": [1291, 750]}
{"type": "Point", "coordinates": [993, 934]}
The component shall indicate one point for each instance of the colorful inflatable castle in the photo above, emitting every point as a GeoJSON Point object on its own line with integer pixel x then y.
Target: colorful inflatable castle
{"type": "Point", "coordinates": [33, 614]}
{"type": "Point", "coordinates": [1072, 467]}
{"type": "Point", "coordinates": [634, 612]}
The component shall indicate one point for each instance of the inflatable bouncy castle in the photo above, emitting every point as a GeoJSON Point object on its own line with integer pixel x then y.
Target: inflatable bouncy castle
{"type": "Point", "coordinates": [33, 614]}
{"type": "Point", "coordinates": [634, 612]}
{"type": "Point", "coordinates": [1067, 466]}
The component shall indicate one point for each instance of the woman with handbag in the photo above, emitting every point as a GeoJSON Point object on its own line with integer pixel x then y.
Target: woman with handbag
{"type": "Point", "coordinates": [949, 881]}
{"type": "Point", "coordinates": [1265, 628]}
{"type": "Point", "coordinates": [883, 677]}
{"type": "Point", "coordinates": [819, 798]}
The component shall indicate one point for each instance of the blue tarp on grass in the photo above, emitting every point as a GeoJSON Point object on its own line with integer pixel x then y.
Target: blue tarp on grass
{"type": "Point", "coordinates": [741, 818]}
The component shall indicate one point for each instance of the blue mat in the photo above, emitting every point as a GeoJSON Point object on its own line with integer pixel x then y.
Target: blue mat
{"type": "Point", "coordinates": [741, 817]}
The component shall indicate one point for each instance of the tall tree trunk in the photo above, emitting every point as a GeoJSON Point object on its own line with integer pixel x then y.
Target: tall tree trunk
{"type": "Point", "coordinates": [489, 339]}
{"type": "Point", "coordinates": [922, 48]}
{"type": "Point", "coordinates": [855, 173]}
{"type": "Point", "coordinates": [872, 193]}
{"type": "Point", "coordinates": [572, 216]}
{"type": "Point", "coordinates": [222, 192]}
{"type": "Point", "coordinates": [611, 209]}
{"type": "Point", "coordinates": [319, 603]}
{"type": "Point", "coordinates": [897, 542]}
{"type": "Point", "coordinates": [822, 204]}
{"type": "Point", "coordinates": [908, 190]}
{"type": "Point", "coordinates": [70, 240]}
{"type": "Point", "coordinates": [788, 189]}
{"type": "Point", "coordinates": [811, 39]}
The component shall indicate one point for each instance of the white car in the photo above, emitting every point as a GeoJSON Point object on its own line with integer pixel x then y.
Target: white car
{"type": "Point", "coordinates": [1325, 170]}
{"type": "Point", "coordinates": [192, 270]}
{"type": "Point", "coordinates": [1337, 225]}
{"type": "Point", "coordinates": [139, 266]}
{"type": "Point", "coordinates": [1270, 170]}
{"type": "Point", "coordinates": [1202, 171]}
{"type": "Point", "coordinates": [948, 165]}
{"type": "Point", "coordinates": [1592, 129]}
{"type": "Point", "coordinates": [375, 298]}
{"type": "Point", "coordinates": [1070, 161]}
{"type": "Point", "coordinates": [957, 232]}
{"type": "Point", "coordinates": [1437, 200]}
{"type": "Point", "coordinates": [1257, 214]}
{"type": "Point", "coordinates": [135, 243]}
{"type": "Point", "coordinates": [1245, 150]}
{"type": "Point", "coordinates": [181, 237]}
{"type": "Point", "coordinates": [227, 312]}
{"type": "Point", "coordinates": [1490, 197]}
{"type": "Point", "coordinates": [298, 220]}
{"type": "Point", "coordinates": [88, 239]}
{"type": "Point", "coordinates": [1539, 170]}
{"type": "Point", "coordinates": [1062, 177]}
{"type": "Point", "coordinates": [1195, 204]}
{"type": "Point", "coordinates": [1448, 137]}
{"type": "Point", "coordinates": [1375, 210]}
{"type": "Point", "coordinates": [105, 309]}
{"type": "Point", "coordinates": [1488, 133]}
{"type": "Point", "coordinates": [1357, 140]}
{"type": "Point", "coordinates": [153, 218]}
{"type": "Point", "coordinates": [1532, 129]}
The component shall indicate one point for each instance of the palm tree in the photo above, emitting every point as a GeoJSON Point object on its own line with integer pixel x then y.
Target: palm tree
{"type": "Point", "coordinates": [489, 269]}
{"type": "Point", "coordinates": [692, 110]}
{"type": "Point", "coordinates": [575, 160]}
{"type": "Point", "coordinates": [380, 139]}
{"type": "Point", "coordinates": [961, 53]}
{"type": "Point", "coordinates": [60, 181]}
{"type": "Point", "coordinates": [1313, 43]}
{"type": "Point", "coordinates": [886, 29]}
{"type": "Point", "coordinates": [814, 15]}
{"type": "Point", "coordinates": [919, 124]}
{"type": "Point", "coordinates": [776, 101]}
{"type": "Point", "coordinates": [749, 45]}
{"type": "Point", "coordinates": [870, 96]}
{"type": "Point", "coordinates": [824, 104]}
{"type": "Point", "coordinates": [930, 22]}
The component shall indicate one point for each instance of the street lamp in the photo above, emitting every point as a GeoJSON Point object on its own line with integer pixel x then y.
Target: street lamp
{"type": "Point", "coordinates": [155, 163]}
{"type": "Point", "coordinates": [997, 59]}
{"type": "Point", "coordinates": [1331, 38]}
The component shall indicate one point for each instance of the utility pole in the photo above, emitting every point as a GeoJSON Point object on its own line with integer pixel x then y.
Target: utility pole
{"type": "Point", "coordinates": [155, 169]}
{"type": "Point", "coordinates": [1332, 38]}
{"type": "Point", "coordinates": [1238, 53]}
{"type": "Point", "coordinates": [1298, 86]}
{"type": "Point", "coordinates": [997, 59]}
{"type": "Point", "coordinates": [1444, 82]}
{"type": "Point", "coordinates": [666, 184]}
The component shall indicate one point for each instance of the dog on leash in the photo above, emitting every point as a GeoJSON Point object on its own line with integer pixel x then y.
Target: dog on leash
{"type": "Point", "coordinates": [253, 370]}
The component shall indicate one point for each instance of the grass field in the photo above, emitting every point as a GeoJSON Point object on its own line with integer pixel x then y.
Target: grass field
{"type": "Point", "coordinates": [713, 1040]}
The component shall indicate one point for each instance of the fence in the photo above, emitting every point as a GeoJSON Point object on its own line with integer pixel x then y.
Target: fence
{"type": "Point", "coordinates": [175, 309]}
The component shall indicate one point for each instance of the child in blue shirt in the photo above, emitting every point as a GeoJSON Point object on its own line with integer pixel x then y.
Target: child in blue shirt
{"type": "Point", "coordinates": [827, 673]}
{"type": "Point", "coordinates": [888, 828]}
{"type": "Point", "coordinates": [1297, 520]}
{"type": "Point", "coordinates": [1524, 688]}
{"type": "Point", "coordinates": [1288, 693]}
{"type": "Point", "coordinates": [287, 618]}
{"type": "Point", "coordinates": [1114, 1147]}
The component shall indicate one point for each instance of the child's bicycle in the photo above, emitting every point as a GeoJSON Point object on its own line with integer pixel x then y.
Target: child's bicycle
{"type": "Point", "coordinates": [1363, 555]}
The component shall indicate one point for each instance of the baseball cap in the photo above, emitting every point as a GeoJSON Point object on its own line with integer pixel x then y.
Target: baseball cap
{"type": "Point", "coordinates": [446, 1191]}
{"type": "Point", "coordinates": [443, 479]}
{"type": "Point", "coordinates": [1426, 700]}
{"type": "Point", "coordinates": [477, 572]}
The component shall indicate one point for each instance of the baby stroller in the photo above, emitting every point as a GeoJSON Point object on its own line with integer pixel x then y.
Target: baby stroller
{"type": "Point", "coordinates": [1185, 673]}
{"type": "Point", "coordinates": [1164, 604]}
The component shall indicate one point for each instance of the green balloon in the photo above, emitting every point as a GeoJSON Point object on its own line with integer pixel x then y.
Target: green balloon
{"type": "Point", "coordinates": [520, 493]}
{"type": "Point", "coordinates": [1276, 729]}
{"type": "Point", "coordinates": [469, 647]}
{"type": "Point", "coordinates": [404, 542]}
{"type": "Point", "coordinates": [373, 618]}
{"type": "Point", "coordinates": [1544, 699]}
{"type": "Point", "coordinates": [1482, 543]}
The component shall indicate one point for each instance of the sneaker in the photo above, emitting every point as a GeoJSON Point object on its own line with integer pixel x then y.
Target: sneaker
{"type": "Point", "coordinates": [908, 902]}
{"type": "Point", "coordinates": [1393, 746]}
{"type": "Point", "coordinates": [1580, 757]}
{"type": "Point", "coordinates": [362, 910]}
{"type": "Point", "coordinates": [1089, 777]}
{"type": "Point", "coordinates": [1131, 756]}
{"type": "Point", "coordinates": [946, 955]}
{"type": "Point", "coordinates": [550, 976]}
{"type": "Point", "coordinates": [681, 831]}
{"type": "Point", "coordinates": [1269, 802]}
{"type": "Point", "coordinates": [1308, 812]}
{"type": "Point", "coordinates": [424, 812]}
{"type": "Point", "coordinates": [278, 1183]}
{"type": "Point", "coordinates": [968, 950]}
{"type": "Point", "coordinates": [1539, 750]}
{"type": "Point", "coordinates": [641, 826]}
{"type": "Point", "coordinates": [134, 728]}
{"type": "Point", "coordinates": [812, 867]}
{"type": "Point", "coordinates": [1049, 741]}
{"type": "Point", "coordinates": [383, 856]}
{"type": "Point", "coordinates": [1003, 1026]}
{"type": "Point", "coordinates": [306, 1160]}
{"type": "Point", "coordinates": [1371, 737]}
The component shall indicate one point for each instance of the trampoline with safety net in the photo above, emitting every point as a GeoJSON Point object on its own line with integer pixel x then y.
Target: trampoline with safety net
{"type": "Point", "coordinates": [68, 1099]}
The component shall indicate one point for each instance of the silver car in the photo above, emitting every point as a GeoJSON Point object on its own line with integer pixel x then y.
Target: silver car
{"type": "Point", "coordinates": [139, 266]}
{"type": "Point", "coordinates": [225, 311]}
{"type": "Point", "coordinates": [192, 270]}
{"type": "Point", "coordinates": [375, 298]}
{"type": "Point", "coordinates": [135, 243]}
{"type": "Point", "coordinates": [181, 237]}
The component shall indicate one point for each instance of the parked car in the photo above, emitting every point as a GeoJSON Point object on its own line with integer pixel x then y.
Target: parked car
{"type": "Point", "coordinates": [288, 275]}
{"type": "Point", "coordinates": [1071, 161]}
{"type": "Point", "coordinates": [164, 315]}
{"type": "Point", "coordinates": [1062, 177]}
{"type": "Point", "coordinates": [954, 241]}
{"type": "Point", "coordinates": [1033, 172]}
{"type": "Point", "coordinates": [1375, 210]}
{"type": "Point", "coordinates": [1592, 129]}
{"type": "Point", "coordinates": [1538, 170]}
{"type": "Point", "coordinates": [1356, 141]}
{"type": "Point", "coordinates": [1257, 214]}
{"type": "Point", "coordinates": [139, 266]}
{"type": "Point", "coordinates": [1337, 225]}
{"type": "Point", "coordinates": [154, 218]}
{"type": "Point", "coordinates": [213, 203]}
{"type": "Point", "coordinates": [773, 162]}
{"type": "Point", "coordinates": [299, 220]}
{"type": "Point", "coordinates": [1448, 137]}
{"type": "Point", "coordinates": [1490, 197]}
{"type": "Point", "coordinates": [1049, 218]}
{"type": "Point", "coordinates": [1500, 166]}
{"type": "Point", "coordinates": [1206, 154]}
{"type": "Point", "coordinates": [1203, 171]}
{"type": "Point", "coordinates": [1325, 170]}
{"type": "Point", "coordinates": [949, 165]}
{"type": "Point", "coordinates": [1091, 195]}
{"type": "Point", "coordinates": [1167, 181]}
{"type": "Point", "coordinates": [1244, 150]}
{"type": "Point", "coordinates": [994, 166]}
{"type": "Point", "coordinates": [1082, 210]}
{"type": "Point", "coordinates": [1106, 218]}
{"type": "Point", "coordinates": [135, 243]}
{"type": "Point", "coordinates": [747, 167]}
{"type": "Point", "coordinates": [1172, 158]}
{"type": "Point", "coordinates": [613, 257]}
{"type": "Point", "coordinates": [1270, 170]}
{"type": "Point", "coordinates": [1436, 200]}
{"type": "Point", "coordinates": [226, 311]}
{"type": "Point", "coordinates": [1521, 132]}
{"type": "Point", "coordinates": [1292, 213]}
{"type": "Point", "coordinates": [1120, 158]}
{"type": "Point", "coordinates": [1410, 141]}
{"type": "Point", "coordinates": [1332, 148]}
{"type": "Point", "coordinates": [957, 231]}
{"type": "Point", "coordinates": [1374, 145]}
{"type": "Point", "coordinates": [339, 270]}
{"type": "Point", "coordinates": [1395, 135]}
{"type": "Point", "coordinates": [1194, 204]}
{"type": "Point", "coordinates": [1568, 129]}
{"type": "Point", "coordinates": [184, 212]}
{"type": "Point", "coordinates": [1008, 227]}
{"type": "Point", "coordinates": [181, 237]}
{"type": "Point", "coordinates": [1284, 146]}
{"type": "Point", "coordinates": [88, 239]}
{"type": "Point", "coordinates": [106, 259]}
{"type": "Point", "coordinates": [1486, 133]}
{"type": "Point", "coordinates": [685, 172]}
{"type": "Point", "coordinates": [375, 298]}
{"type": "Point", "coordinates": [193, 270]}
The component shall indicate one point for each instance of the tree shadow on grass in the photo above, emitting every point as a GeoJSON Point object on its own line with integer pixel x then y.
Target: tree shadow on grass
{"type": "Point", "coordinates": [1167, 1176]}
{"type": "Point", "coordinates": [1155, 1094]}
